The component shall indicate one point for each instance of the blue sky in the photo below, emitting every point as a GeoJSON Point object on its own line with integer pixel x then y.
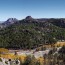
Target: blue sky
{"type": "Point", "coordinates": [36, 8]}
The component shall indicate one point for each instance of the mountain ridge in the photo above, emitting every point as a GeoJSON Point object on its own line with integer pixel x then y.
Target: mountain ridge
{"type": "Point", "coordinates": [30, 33]}
{"type": "Point", "coordinates": [54, 21]}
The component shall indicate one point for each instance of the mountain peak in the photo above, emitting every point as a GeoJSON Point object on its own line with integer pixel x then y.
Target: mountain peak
{"type": "Point", "coordinates": [12, 20]}
{"type": "Point", "coordinates": [28, 18]}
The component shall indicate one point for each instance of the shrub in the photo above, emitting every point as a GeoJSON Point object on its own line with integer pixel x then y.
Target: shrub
{"type": "Point", "coordinates": [0, 60]}
{"type": "Point", "coordinates": [6, 62]}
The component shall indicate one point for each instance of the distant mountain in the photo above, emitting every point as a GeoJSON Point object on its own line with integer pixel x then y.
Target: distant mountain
{"type": "Point", "coordinates": [55, 21]}
{"type": "Point", "coordinates": [30, 33]}
{"type": "Point", "coordinates": [58, 22]}
{"type": "Point", "coordinates": [29, 18]}
{"type": "Point", "coordinates": [8, 22]}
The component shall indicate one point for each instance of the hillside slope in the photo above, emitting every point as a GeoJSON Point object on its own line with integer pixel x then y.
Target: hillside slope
{"type": "Point", "coordinates": [30, 33]}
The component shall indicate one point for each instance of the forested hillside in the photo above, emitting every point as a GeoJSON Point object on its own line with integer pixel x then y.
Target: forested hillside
{"type": "Point", "coordinates": [30, 33]}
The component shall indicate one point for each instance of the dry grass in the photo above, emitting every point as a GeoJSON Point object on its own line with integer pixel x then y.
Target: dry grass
{"type": "Point", "coordinates": [60, 44]}
{"type": "Point", "coordinates": [3, 50]}
{"type": "Point", "coordinates": [23, 57]}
